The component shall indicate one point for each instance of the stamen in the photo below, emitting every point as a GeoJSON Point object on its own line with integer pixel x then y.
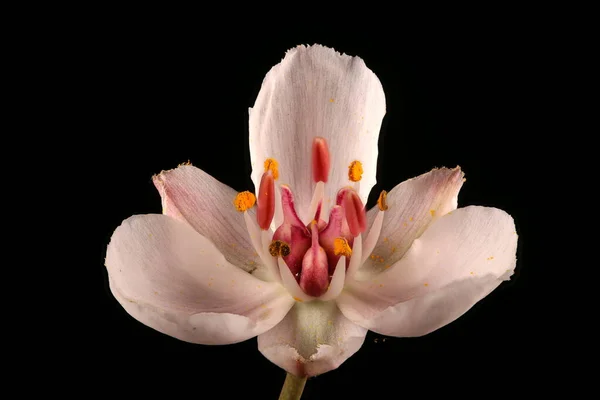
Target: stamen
{"type": "Point", "coordinates": [272, 165]}
{"type": "Point", "coordinates": [357, 260]}
{"type": "Point", "coordinates": [382, 201]}
{"type": "Point", "coordinates": [289, 282]}
{"type": "Point", "coordinates": [372, 237]}
{"type": "Point", "coordinates": [244, 201]}
{"type": "Point", "coordinates": [341, 247]}
{"type": "Point", "coordinates": [355, 213]}
{"type": "Point", "coordinates": [318, 212]}
{"type": "Point", "coordinates": [317, 200]}
{"type": "Point", "coordinates": [279, 248]}
{"type": "Point", "coordinates": [270, 264]}
{"type": "Point", "coordinates": [320, 160]}
{"type": "Point", "coordinates": [355, 171]}
{"type": "Point", "coordinates": [266, 201]}
{"type": "Point", "coordinates": [337, 281]}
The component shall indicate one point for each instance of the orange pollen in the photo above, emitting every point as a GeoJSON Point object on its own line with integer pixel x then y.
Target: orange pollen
{"type": "Point", "coordinates": [382, 201]}
{"type": "Point", "coordinates": [355, 171]}
{"type": "Point", "coordinates": [244, 201]}
{"type": "Point", "coordinates": [341, 247]}
{"type": "Point", "coordinates": [279, 248]}
{"type": "Point", "coordinates": [272, 165]}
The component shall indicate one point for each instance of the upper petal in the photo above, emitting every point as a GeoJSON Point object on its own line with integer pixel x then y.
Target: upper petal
{"type": "Point", "coordinates": [171, 278]}
{"type": "Point", "coordinates": [412, 206]}
{"type": "Point", "coordinates": [312, 339]}
{"type": "Point", "coordinates": [459, 259]}
{"type": "Point", "coordinates": [316, 91]}
{"type": "Point", "coordinates": [191, 195]}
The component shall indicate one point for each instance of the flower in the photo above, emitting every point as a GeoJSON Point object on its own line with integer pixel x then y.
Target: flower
{"type": "Point", "coordinates": [300, 263]}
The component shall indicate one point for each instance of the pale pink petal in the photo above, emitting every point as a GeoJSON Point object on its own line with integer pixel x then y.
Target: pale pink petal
{"type": "Point", "coordinates": [424, 314]}
{"type": "Point", "coordinates": [412, 206]}
{"type": "Point", "coordinates": [171, 278]}
{"type": "Point", "coordinates": [459, 259]}
{"type": "Point", "coordinates": [373, 236]}
{"type": "Point", "coordinates": [193, 196]}
{"type": "Point", "coordinates": [312, 339]}
{"type": "Point", "coordinates": [316, 91]}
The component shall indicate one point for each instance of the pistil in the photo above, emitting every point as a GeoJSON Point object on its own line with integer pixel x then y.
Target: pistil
{"type": "Point", "coordinates": [314, 278]}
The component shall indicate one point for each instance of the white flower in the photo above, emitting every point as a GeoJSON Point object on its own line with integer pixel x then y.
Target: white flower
{"type": "Point", "coordinates": [308, 271]}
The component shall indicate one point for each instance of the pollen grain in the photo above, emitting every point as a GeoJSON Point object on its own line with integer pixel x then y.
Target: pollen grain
{"type": "Point", "coordinates": [272, 165]}
{"type": "Point", "coordinates": [244, 201]}
{"type": "Point", "coordinates": [279, 248]}
{"type": "Point", "coordinates": [355, 171]}
{"type": "Point", "coordinates": [382, 201]}
{"type": "Point", "coordinates": [341, 247]}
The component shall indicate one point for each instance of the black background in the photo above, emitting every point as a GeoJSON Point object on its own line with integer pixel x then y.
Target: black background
{"type": "Point", "coordinates": [164, 92]}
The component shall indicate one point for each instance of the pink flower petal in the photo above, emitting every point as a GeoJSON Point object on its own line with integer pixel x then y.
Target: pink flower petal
{"type": "Point", "coordinates": [171, 278]}
{"type": "Point", "coordinates": [312, 339]}
{"type": "Point", "coordinates": [459, 259]}
{"type": "Point", "coordinates": [412, 206]}
{"type": "Point", "coordinates": [193, 196]}
{"type": "Point", "coordinates": [316, 91]}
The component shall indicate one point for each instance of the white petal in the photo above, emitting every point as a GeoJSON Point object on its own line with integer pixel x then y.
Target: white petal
{"type": "Point", "coordinates": [459, 259]}
{"type": "Point", "coordinates": [412, 206]}
{"type": "Point", "coordinates": [312, 339]}
{"type": "Point", "coordinates": [316, 91]}
{"type": "Point", "coordinates": [425, 314]}
{"type": "Point", "coordinates": [171, 278]}
{"type": "Point", "coordinates": [193, 196]}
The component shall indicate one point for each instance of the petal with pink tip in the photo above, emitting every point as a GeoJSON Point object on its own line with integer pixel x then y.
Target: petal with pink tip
{"type": "Point", "coordinates": [412, 206]}
{"type": "Point", "coordinates": [171, 278]}
{"type": "Point", "coordinates": [459, 259]}
{"type": "Point", "coordinates": [316, 91]}
{"type": "Point", "coordinates": [312, 339]}
{"type": "Point", "coordinates": [193, 196]}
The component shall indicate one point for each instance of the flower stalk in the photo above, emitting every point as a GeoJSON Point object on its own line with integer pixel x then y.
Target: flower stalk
{"type": "Point", "coordinates": [292, 387]}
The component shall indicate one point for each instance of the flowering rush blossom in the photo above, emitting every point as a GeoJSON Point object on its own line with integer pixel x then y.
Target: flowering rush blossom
{"type": "Point", "coordinates": [300, 263]}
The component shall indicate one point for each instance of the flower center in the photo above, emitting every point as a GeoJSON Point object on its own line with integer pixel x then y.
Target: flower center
{"type": "Point", "coordinates": [312, 251]}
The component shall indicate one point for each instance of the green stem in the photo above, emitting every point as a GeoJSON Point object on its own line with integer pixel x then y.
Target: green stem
{"type": "Point", "coordinates": [292, 387]}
